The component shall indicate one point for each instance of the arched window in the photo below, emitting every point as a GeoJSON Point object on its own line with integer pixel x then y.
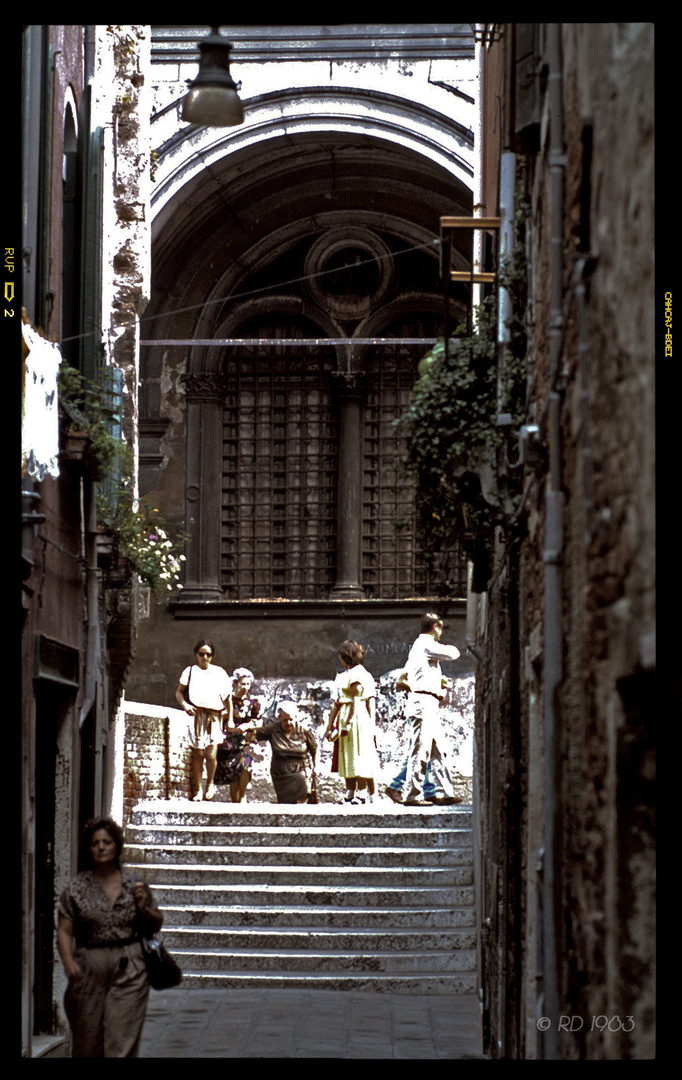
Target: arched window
{"type": "Point", "coordinates": [70, 235]}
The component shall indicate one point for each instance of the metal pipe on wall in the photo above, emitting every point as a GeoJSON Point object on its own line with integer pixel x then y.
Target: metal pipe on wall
{"type": "Point", "coordinates": [554, 541]}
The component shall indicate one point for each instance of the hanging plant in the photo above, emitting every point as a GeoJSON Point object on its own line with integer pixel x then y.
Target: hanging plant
{"type": "Point", "coordinates": [458, 454]}
{"type": "Point", "coordinates": [143, 538]}
{"type": "Point", "coordinates": [89, 410]}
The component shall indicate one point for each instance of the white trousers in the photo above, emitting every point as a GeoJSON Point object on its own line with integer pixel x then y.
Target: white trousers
{"type": "Point", "coordinates": [427, 746]}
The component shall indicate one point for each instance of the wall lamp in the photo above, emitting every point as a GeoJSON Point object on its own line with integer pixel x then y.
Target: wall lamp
{"type": "Point", "coordinates": [212, 99]}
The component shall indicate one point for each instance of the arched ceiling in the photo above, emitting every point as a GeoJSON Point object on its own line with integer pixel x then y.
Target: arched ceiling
{"type": "Point", "coordinates": [243, 211]}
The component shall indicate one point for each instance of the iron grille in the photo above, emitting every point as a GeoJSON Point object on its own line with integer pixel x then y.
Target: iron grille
{"type": "Point", "coordinates": [280, 440]}
{"type": "Point", "coordinates": [394, 566]}
{"type": "Point", "coordinates": [280, 476]}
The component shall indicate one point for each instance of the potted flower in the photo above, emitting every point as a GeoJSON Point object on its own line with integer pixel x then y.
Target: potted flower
{"type": "Point", "coordinates": [142, 543]}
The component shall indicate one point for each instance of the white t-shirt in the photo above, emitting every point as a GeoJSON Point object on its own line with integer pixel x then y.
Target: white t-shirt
{"type": "Point", "coordinates": [208, 687]}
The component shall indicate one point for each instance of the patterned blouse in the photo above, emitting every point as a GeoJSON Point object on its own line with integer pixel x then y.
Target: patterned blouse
{"type": "Point", "coordinates": [96, 920]}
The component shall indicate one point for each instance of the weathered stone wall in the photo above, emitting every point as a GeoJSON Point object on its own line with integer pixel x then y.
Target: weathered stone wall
{"type": "Point", "coordinates": [600, 803]}
{"type": "Point", "coordinates": [278, 646]}
{"type": "Point", "coordinates": [609, 457]}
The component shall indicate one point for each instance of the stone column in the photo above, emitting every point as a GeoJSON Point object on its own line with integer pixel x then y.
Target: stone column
{"type": "Point", "coordinates": [349, 543]}
{"type": "Point", "coordinates": [203, 492]}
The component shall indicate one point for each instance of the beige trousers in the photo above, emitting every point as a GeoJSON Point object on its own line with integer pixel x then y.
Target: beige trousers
{"type": "Point", "coordinates": [107, 1007]}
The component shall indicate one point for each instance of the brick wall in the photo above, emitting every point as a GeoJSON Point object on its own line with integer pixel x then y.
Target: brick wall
{"type": "Point", "coordinates": [156, 755]}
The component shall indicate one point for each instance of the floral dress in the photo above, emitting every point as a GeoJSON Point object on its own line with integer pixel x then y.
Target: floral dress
{"type": "Point", "coordinates": [357, 752]}
{"type": "Point", "coordinates": [236, 752]}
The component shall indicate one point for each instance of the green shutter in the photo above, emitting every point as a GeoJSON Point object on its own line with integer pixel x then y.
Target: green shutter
{"type": "Point", "coordinates": [90, 330]}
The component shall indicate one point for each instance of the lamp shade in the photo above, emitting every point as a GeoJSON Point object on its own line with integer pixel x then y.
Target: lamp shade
{"type": "Point", "coordinates": [212, 99]}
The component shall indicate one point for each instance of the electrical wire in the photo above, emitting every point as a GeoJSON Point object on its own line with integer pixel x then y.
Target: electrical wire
{"type": "Point", "coordinates": [255, 292]}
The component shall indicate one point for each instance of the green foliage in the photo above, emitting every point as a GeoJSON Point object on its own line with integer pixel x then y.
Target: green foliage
{"type": "Point", "coordinates": [142, 537]}
{"type": "Point", "coordinates": [450, 427]}
{"type": "Point", "coordinates": [458, 453]}
{"type": "Point", "coordinates": [140, 534]}
{"type": "Point", "coordinates": [93, 407]}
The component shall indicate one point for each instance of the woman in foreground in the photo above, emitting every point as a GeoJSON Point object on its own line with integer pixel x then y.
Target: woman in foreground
{"type": "Point", "coordinates": [100, 917]}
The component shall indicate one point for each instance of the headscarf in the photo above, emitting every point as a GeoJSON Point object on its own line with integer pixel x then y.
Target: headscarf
{"type": "Point", "coordinates": [291, 709]}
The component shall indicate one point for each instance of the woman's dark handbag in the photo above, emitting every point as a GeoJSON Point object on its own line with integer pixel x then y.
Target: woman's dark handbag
{"type": "Point", "coordinates": [313, 798]}
{"type": "Point", "coordinates": [162, 971]}
{"type": "Point", "coordinates": [185, 689]}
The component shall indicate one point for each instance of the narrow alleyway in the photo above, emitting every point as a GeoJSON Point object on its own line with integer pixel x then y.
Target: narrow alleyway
{"type": "Point", "coordinates": [298, 1023]}
{"type": "Point", "coordinates": [314, 931]}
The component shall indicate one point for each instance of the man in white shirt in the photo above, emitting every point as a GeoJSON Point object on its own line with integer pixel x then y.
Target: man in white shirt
{"type": "Point", "coordinates": [423, 711]}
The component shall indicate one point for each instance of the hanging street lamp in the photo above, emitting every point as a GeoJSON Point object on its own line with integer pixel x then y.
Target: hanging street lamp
{"type": "Point", "coordinates": [212, 99]}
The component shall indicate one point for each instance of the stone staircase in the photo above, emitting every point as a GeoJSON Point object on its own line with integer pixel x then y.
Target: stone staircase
{"type": "Point", "coordinates": [326, 896]}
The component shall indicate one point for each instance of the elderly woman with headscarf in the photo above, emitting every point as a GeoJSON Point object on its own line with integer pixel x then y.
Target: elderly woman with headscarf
{"type": "Point", "coordinates": [291, 743]}
{"type": "Point", "coordinates": [235, 754]}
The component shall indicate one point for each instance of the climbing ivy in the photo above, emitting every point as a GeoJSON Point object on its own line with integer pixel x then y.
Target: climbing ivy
{"type": "Point", "coordinates": [458, 453]}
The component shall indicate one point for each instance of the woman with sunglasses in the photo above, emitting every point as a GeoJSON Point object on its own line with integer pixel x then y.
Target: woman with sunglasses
{"type": "Point", "coordinates": [205, 693]}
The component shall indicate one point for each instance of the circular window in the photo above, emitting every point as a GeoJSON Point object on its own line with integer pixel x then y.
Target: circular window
{"type": "Point", "coordinates": [349, 272]}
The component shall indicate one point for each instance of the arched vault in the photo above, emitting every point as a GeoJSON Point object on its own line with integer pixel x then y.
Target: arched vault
{"type": "Point", "coordinates": [317, 219]}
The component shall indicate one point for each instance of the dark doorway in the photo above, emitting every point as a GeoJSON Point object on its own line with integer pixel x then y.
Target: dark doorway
{"type": "Point", "coordinates": [53, 706]}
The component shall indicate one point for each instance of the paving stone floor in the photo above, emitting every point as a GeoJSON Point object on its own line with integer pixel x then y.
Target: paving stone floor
{"type": "Point", "coordinates": [300, 1023]}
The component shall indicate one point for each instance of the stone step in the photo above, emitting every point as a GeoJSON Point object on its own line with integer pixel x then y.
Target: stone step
{"type": "Point", "coordinates": [352, 895]}
{"type": "Point", "coordinates": [326, 940]}
{"type": "Point", "coordinates": [217, 916]}
{"type": "Point", "coordinates": [381, 815]}
{"type": "Point", "coordinates": [249, 835]}
{"type": "Point", "coordinates": [329, 897]}
{"type": "Point", "coordinates": [148, 855]}
{"type": "Point", "coordinates": [331, 877]}
{"type": "Point", "coordinates": [426, 983]}
{"type": "Point", "coordinates": [303, 961]}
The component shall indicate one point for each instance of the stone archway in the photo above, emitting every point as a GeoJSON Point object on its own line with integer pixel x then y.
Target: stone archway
{"type": "Point", "coordinates": [252, 225]}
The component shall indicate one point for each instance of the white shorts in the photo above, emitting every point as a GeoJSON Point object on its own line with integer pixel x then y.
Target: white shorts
{"type": "Point", "coordinates": [205, 728]}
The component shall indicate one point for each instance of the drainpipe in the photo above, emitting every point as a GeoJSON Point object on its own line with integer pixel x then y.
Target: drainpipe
{"type": "Point", "coordinates": [94, 659]}
{"type": "Point", "coordinates": [476, 295]}
{"type": "Point", "coordinates": [479, 208]}
{"type": "Point", "coordinates": [554, 538]}
{"type": "Point", "coordinates": [89, 552]}
{"type": "Point", "coordinates": [507, 209]}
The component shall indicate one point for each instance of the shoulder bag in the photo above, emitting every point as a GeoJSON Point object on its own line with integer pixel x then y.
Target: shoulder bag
{"type": "Point", "coordinates": [162, 970]}
{"type": "Point", "coordinates": [185, 689]}
{"type": "Point", "coordinates": [313, 796]}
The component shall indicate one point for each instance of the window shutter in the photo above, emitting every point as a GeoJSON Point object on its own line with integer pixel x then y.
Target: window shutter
{"type": "Point", "coordinates": [526, 88]}
{"type": "Point", "coordinates": [90, 150]}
